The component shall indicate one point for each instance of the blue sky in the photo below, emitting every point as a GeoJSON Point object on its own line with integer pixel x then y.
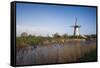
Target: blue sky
{"type": "Point", "coordinates": [40, 19]}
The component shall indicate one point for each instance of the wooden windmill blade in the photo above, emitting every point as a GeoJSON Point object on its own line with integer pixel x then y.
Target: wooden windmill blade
{"type": "Point", "coordinates": [75, 21]}
{"type": "Point", "coordinates": [71, 26]}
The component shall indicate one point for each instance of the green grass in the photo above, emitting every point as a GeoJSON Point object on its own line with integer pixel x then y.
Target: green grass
{"type": "Point", "coordinates": [24, 41]}
{"type": "Point", "coordinates": [91, 56]}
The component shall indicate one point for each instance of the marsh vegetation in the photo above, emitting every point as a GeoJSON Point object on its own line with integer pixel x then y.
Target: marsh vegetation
{"type": "Point", "coordinates": [55, 49]}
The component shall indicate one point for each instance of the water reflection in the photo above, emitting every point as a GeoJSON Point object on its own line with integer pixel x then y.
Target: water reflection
{"type": "Point", "coordinates": [54, 53]}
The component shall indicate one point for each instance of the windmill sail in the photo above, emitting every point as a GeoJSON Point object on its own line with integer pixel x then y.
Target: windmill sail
{"type": "Point", "coordinates": [76, 28]}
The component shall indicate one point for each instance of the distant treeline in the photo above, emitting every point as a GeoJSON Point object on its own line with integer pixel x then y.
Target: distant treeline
{"type": "Point", "coordinates": [32, 40]}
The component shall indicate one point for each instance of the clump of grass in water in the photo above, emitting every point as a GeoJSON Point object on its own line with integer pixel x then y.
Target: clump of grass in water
{"type": "Point", "coordinates": [91, 56]}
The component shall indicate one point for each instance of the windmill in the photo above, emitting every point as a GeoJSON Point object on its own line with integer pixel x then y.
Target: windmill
{"type": "Point", "coordinates": [76, 28]}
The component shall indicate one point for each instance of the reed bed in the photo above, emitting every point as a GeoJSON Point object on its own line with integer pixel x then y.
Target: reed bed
{"type": "Point", "coordinates": [71, 51]}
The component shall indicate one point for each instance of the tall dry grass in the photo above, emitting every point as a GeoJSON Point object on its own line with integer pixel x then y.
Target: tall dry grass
{"type": "Point", "coordinates": [71, 51]}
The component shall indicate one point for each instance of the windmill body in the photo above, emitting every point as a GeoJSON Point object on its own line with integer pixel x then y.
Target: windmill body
{"type": "Point", "coordinates": [76, 29]}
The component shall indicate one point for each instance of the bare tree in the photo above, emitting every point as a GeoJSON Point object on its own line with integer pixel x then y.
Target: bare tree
{"type": "Point", "coordinates": [24, 34]}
